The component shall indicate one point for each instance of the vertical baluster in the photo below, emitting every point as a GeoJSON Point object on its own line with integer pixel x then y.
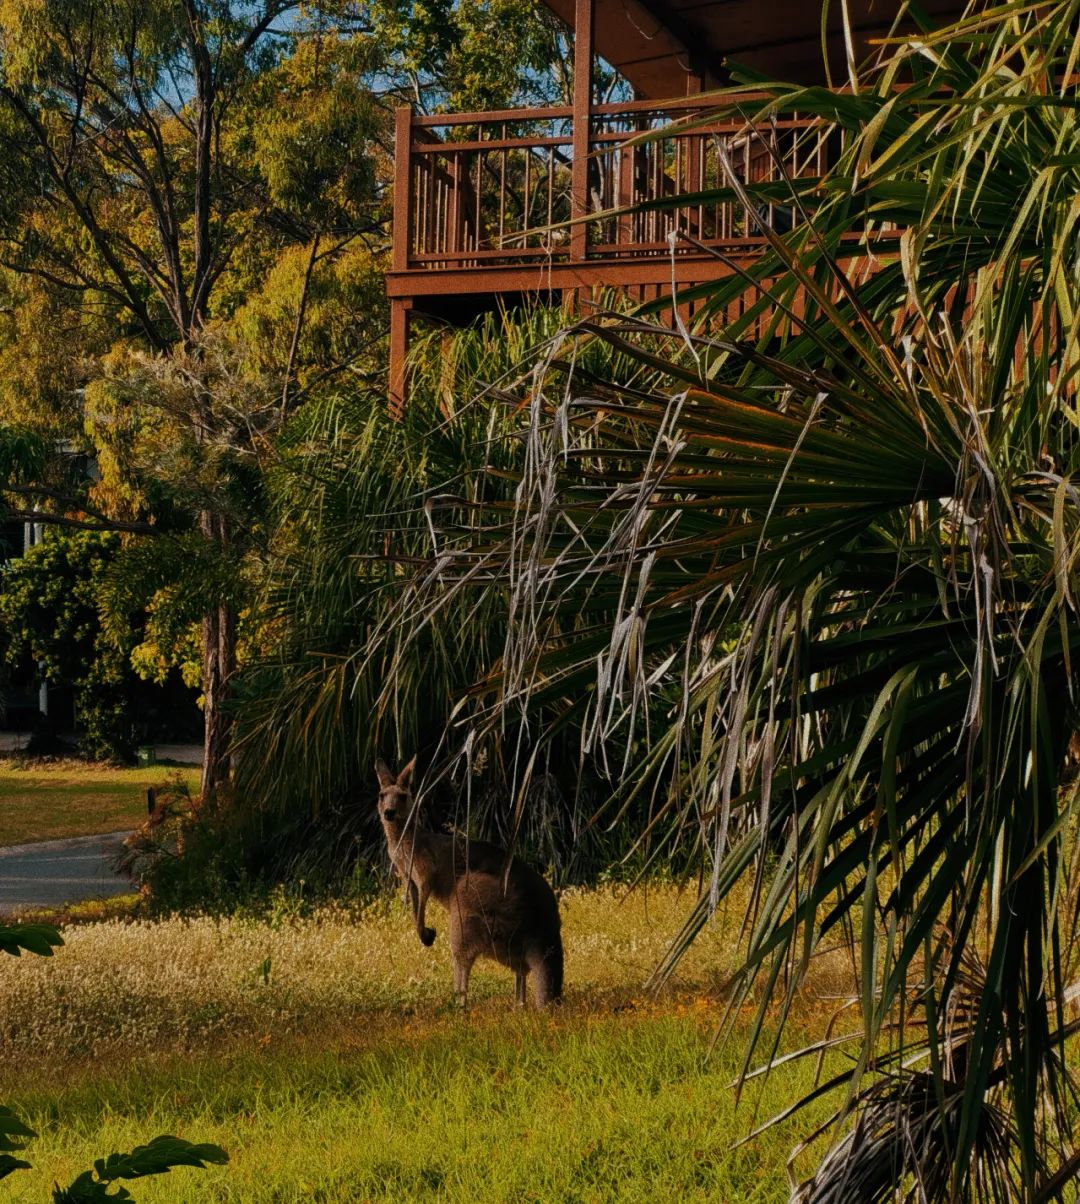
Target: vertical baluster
{"type": "Point", "coordinates": [444, 207]}
{"type": "Point", "coordinates": [550, 187]}
{"type": "Point", "coordinates": [463, 186]}
{"type": "Point", "coordinates": [437, 231]}
{"type": "Point", "coordinates": [415, 187]}
{"type": "Point", "coordinates": [528, 199]}
{"type": "Point", "coordinates": [422, 208]}
{"type": "Point", "coordinates": [450, 189]}
{"type": "Point", "coordinates": [748, 224]}
{"type": "Point", "coordinates": [440, 220]}
{"type": "Point", "coordinates": [502, 186]}
{"type": "Point", "coordinates": [449, 205]}
{"type": "Point", "coordinates": [769, 172]}
{"type": "Point", "coordinates": [461, 175]}
{"type": "Point", "coordinates": [682, 216]}
{"type": "Point", "coordinates": [480, 237]}
{"type": "Point", "coordinates": [429, 201]}
{"type": "Point", "coordinates": [699, 149]}
{"type": "Point", "coordinates": [649, 186]}
{"type": "Point", "coordinates": [444, 190]}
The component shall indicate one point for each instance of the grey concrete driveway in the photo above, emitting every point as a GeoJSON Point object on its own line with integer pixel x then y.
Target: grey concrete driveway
{"type": "Point", "coordinates": [53, 873]}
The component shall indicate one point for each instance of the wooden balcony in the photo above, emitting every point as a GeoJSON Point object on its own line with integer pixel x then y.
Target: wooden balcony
{"type": "Point", "coordinates": [554, 201]}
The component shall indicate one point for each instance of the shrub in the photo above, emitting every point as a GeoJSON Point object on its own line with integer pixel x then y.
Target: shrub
{"type": "Point", "coordinates": [50, 624]}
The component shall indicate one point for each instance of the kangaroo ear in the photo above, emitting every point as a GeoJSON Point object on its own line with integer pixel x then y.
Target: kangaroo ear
{"type": "Point", "coordinates": [404, 779]}
{"type": "Point", "coordinates": [382, 772]}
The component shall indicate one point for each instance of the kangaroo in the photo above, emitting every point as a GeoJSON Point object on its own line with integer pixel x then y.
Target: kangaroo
{"type": "Point", "coordinates": [505, 912]}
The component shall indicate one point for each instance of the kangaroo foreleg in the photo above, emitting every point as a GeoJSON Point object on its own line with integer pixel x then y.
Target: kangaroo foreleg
{"type": "Point", "coordinates": [418, 897]}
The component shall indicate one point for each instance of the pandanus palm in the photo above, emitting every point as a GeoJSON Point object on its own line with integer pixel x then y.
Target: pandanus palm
{"type": "Point", "coordinates": [814, 577]}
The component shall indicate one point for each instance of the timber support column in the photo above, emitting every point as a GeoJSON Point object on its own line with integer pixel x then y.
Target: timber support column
{"type": "Point", "coordinates": [399, 352]}
{"type": "Point", "coordinates": [402, 244]}
{"type": "Point", "coordinates": [579, 179]}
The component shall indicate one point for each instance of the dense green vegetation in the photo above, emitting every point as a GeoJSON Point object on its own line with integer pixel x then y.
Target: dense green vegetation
{"type": "Point", "coordinates": [195, 196]}
{"type": "Point", "coordinates": [60, 620]}
{"type": "Point", "coordinates": [807, 582]}
{"type": "Point", "coordinates": [787, 601]}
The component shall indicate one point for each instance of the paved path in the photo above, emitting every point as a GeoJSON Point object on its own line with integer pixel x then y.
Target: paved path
{"type": "Point", "coordinates": [52, 873]}
{"type": "Point", "coordinates": [180, 754]}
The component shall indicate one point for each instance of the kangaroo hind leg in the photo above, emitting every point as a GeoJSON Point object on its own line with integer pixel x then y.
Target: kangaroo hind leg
{"type": "Point", "coordinates": [462, 969]}
{"type": "Point", "coordinates": [547, 963]}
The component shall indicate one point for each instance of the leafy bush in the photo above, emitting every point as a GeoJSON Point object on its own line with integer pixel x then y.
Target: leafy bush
{"type": "Point", "coordinates": [51, 601]}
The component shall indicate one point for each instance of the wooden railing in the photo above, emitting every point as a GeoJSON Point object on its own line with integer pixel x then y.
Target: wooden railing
{"type": "Point", "coordinates": [500, 189]}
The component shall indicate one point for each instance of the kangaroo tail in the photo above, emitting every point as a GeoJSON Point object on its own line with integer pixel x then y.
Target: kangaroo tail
{"type": "Point", "coordinates": [549, 974]}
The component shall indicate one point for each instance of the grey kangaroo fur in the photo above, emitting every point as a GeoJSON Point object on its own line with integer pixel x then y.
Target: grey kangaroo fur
{"type": "Point", "coordinates": [506, 913]}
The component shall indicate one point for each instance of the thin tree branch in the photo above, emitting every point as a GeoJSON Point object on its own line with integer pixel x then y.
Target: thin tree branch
{"type": "Point", "coordinates": [301, 308]}
{"type": "Point", "coordinates": [80, 524]}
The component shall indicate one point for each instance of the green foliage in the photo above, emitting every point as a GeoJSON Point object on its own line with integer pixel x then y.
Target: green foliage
{"type": "Point", "coordinates": [22, 455]}
{"type": "Point", "coordinates": [41, 939]}
{"type": "Point", "coordinates": [197, 195]}
{"type": "Point", "coordinates": [49, 614]}
{"type": "Point", "coordinates": [470, 55]}
{"type": "Point", "coordinates": [355, 497]}
{"type": "Point", "coordinates": [201, 860]}
{"type": "Point", "coordinates": [13, 1133]}
{"type": "Point", "coordinates": [156, 1158]}
{"type": "Point", "coordinates": [312, 124]}
{"type": "Point", "coordinates": [173, 581]}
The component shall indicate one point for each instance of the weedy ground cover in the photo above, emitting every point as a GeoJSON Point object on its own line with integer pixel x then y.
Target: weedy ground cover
{"type": "Point", "coordinates": [324, 1054]}
{"type": "Point", "coordinates": [45, 801]}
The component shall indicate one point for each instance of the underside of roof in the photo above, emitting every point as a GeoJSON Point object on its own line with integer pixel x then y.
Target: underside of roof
{"type": "Point", "coordinates": [668, 48]}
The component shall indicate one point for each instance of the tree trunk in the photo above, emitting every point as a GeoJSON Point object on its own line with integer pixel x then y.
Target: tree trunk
{"type": "Point", "coordinates": [219, 664]}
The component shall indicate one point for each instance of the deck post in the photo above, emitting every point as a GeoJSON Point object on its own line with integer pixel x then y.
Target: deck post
{"type": "Point", "coordinates": [400, 308]}
{"type": "Point", "coordinates": [402, 244]}
{"type": "Point", "coordinates": [579, 181]}
{"type": "Point", "coordinates": [402, 191]}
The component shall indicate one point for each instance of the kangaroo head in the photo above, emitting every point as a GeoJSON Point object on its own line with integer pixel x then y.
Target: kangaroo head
{"type": "Point", "coordinates": [395, 793]}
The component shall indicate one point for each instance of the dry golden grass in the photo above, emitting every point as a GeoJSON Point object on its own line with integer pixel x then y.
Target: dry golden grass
{"type": "Point", "coordinates": [190, 983]}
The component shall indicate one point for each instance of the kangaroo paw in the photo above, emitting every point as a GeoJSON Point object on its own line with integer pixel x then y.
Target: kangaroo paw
{"type": "Point", "coordinates": [427, 936]}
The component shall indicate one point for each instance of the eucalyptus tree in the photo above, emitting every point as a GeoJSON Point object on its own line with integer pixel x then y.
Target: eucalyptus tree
{"type": "Point", "coordinates": [147, 180]}
{"type": "Point", "coordinates": [808, 580]}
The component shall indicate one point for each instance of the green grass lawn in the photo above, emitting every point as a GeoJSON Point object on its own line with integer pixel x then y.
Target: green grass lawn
{"type": "Point", "coordinates": [43, 801]}
{"type": "Point", "coordinates": [325, 1055]}
{"type": "Point", "coordinates": [590, 1106]}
